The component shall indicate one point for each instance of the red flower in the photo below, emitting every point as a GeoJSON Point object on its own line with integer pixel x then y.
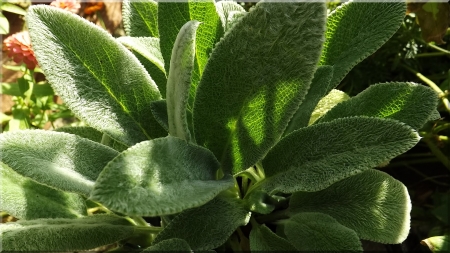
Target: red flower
{"type": "Point", "coordinates": [70, 5]}
{"type": "Point", "coordinates": [19, 49]}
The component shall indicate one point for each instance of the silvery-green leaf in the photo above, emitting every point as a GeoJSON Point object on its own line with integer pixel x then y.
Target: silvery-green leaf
{"type": "Point", "coordinates": [229, 12]}
{"type": "Point", "coordinates": [28, 200]}
{"type": "Point", "coordinates": [174, 244]}
{"type": "Point", "coordinates": [59, 160]}
{"type": "Point", "coordinates": [255, 80]}
{"type": "Point", "coordinates": [373, 204]}
{"type": "Point", "coordinates": [159, 110]}
{"type": "Point", "coordinates": [179, 80]}
{"type": "Point", "coordinates": [208, 226]}
{"type": "Point", "coordinates": [159, 177]}
{"type": "Point", "coordinates": [315, 157]}
{"type": "Point", "coordinates": [103, 83]}
{"type": "Point", "coordinates": [64, 234]}
{"type": "Point", "coordinates": [326, 103]}
{"type": "Point", "coordinates": [437, 244]}
{"type": "Point", "coordinates": [355, 30]}
{"type": "Point", "coordinates": [318, 89]}
{"type": "Point", "coordinates": [140, 18]}
{"type": "Point", "coordinates": [146, 49]}
{"type": "Point", "coordinates": [409, 103]}
{"type": "Point", "coordinates": [318, 232]}
{"type": "Point", "coordinates": [263, 239]}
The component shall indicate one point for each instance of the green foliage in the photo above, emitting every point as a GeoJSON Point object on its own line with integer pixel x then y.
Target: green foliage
{"type": "Point", "coordinates": [257, 154]}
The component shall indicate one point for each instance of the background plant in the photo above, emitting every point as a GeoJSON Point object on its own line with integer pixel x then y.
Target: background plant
{"type": "Point", "coordinates": [253, 121]}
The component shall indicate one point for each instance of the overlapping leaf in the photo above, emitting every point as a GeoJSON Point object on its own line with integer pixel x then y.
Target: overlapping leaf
{"type": "Point", "coordinates": [255, 80]}
{"type": "Point", "coordinates": [174, 244]}
{"type": "Point", "coordinates": [104, 84]}
{"type": "Point", "coordinates": [208, 226]}
{"type": "Point", "coordinates": [398, 101]}
{"type": "Point", "coordinates": [327, 103]}
{"type": "Point", "coordinates": [355, 30]}
{"type": "Point", "coordinates": [140, 18]}
{"type": "Point", "coordinates": [318, 232]}
{"type": "Point", "coordinates": [373, 204]}
{"type": "Point", "coordinates": [60, 160]}
{"type": "Point", "coordinates": [159, 177]}
{"type": "Point", "coordinates": [28, 200]}
{"type": "Point", "coordinates": [263, 239]}
{"type": "Point", "coordinates": [64, 234]}
{"type": "Point", "coordinates": [315, 157]}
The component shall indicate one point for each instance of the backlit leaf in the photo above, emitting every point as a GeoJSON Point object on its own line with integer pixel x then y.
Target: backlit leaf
{"type": "Point", "coordinates": [140, 18]}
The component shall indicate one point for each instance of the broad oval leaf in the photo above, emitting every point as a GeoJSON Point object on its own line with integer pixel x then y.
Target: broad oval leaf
{"type": "Point", "coordinates": [373, 204]}
{"type": "Point", "coordinates": [159, 110]}
{"type": "Point", "coordinates": [208, 226]}
{"type": "Point", "coordinates": [318, 90]}
{"type": "Point", "coordinates": [263, 239]}
{"type": "Point", "coordinates": [140, 18]}
{"type": "Point", "coordinates": [159, 177]}
{"type": "Point", "coordinates": [146, 49]}
{"type": "Point", "coordinates": [104, 84]}
{"type": "Point", "coordinates": [59, 160]}
{"type": "Point", "coordinates": [409, 103]}
{"type": "Point", "coordinates": [313, 158]}
{"type": "Point", "coordinates": [318, 232]}
{"type": "Point", "coordinates": [174, 244]}
{"type": "Point", "coordinates": [365, 24]}
{"type": "Point", "coordinates": [64, 234]}
{"type": "Point", "coordinates": [327, 103]}
{"type": "Point", "coordinates": [179, 80]}
{"type": "Point", "coordinates": [255, 80]}
{"type": "Point", "coordinates": [229, 12]}
{"type": "Point", "coordinates": [28, 200]}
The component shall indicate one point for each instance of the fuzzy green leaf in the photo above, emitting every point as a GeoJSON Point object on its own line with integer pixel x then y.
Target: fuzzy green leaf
{"type": "Point", "coordinates": [91, 134]}
{"type": "Point", "coordinates": [355, 30]}
{"type": "Point", "coordinates": [255, 80]}
{"type": "Point", "coordinates": [229, 12]}
{"type": "Point", "coordinates": [326, 103]}
{"type": "Point", "coordinates": [60, 160]}
{"type": "Point", "coordinates": [179, 80]}
{"type": "Point", "coordinates": [437, 244]}
{"type": "Point", "coordinates": [316, 232]}
{"type": "Point", "coordinates": [28, 200]}
{"type": "Point", "coordinates": [373, 204]}
{"type": "Point", "coordinates": [174, 244]}
{"type": "Point", "coordinates": [318, 89]}
{"type": "Point", "coordinates": [140, 18]}
{"type": "Point", "coordinates": [159, 110]}
{"type": "Point", "coordinates": [313, 158]}
{"type": "Point", "coordinates": [146, 49]}
{"type": "Point", "coordinates": [104, 84]}
{"type": "Point", "coordinates": [208, 226]}
{"type": "Point", "coordinates": [406, 102]}
{"type": "Point", "coordinates": [263, 239]}
{"type": "Point", "coordinates": [159, 177]}
{"type": "Point", "coordinates": [64, 234]}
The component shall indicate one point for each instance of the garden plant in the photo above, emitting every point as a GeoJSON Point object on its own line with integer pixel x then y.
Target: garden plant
{"type": "Point", "coordinates": [213, 128]}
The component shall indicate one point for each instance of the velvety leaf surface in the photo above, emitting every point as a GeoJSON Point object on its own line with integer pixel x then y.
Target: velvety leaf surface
{"type": "Point", "coordinates": [173, 245]}
{"type": "Point", "coordinates": [91, 134]}
{"type": "Point", "coordinates": [28, 200]}
{"type": "Point", "coordinates": [313, 158]}
{"type": "Point", "coordinates": [159, 177]}
{"type": "Point", "coordinates": [229, 12]}
{"type": "Point", "coordinates": [179, 80]}
{"type": "Point", "coordinates": [373, 204]}
{"type": "Point", "coordinates": [255, 80]}
{"type": "Point", "coordinates": [318, 232]}
{"type": "Point", "coordinates": [208, 226]}
{"type": "Point", "coordinates": [317, 90]}
{"type": "Point", "coordinates": [355, 30]}
{"type": "Point", "coordinates": [406, 102]}
{"type": "Point", "coordinates": [172, 16]}
{"type": "Point", "coordinates": [103, 84]}
{"type": "Point", "coordinates": [140, 18]}
{"type": "Point", "coordinates": [147, 50]}
{"type": "Point", "coordinates": [159, 110]}
{"type": "Point", "coordinates": [60, 160]}
{"type": "Point", "coordinates": [326, 103]}
{"type": "Point", "coordinates": [64, 234]}
{"type": "Point", "coordinates": [263, 239]}
{"type": "Point", "coordinates": [437, 243]}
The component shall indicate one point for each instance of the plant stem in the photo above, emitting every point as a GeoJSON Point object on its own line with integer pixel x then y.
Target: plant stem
{"type": "Point", "coordinates": [431, 54]}
{"type": "Point", "coordinates": [441, 127]}
{"type": "Point", "coordinates": [275, 216]}
{"type": "Point", "coordinates": [140, 221]}
{"type": "Point", "coordinates": [438, 153]}
{"type": "Point", "coordinates": [432, 85]}
{"type": "Point", "coordinates": [152, 230]}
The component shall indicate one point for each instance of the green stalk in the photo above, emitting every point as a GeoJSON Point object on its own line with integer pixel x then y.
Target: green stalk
{"type": "Point", "coordinates": [438, 153]}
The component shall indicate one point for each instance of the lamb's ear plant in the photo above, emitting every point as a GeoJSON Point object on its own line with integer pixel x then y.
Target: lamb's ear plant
{"type": "Point", "coordinates": [248, 147]}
